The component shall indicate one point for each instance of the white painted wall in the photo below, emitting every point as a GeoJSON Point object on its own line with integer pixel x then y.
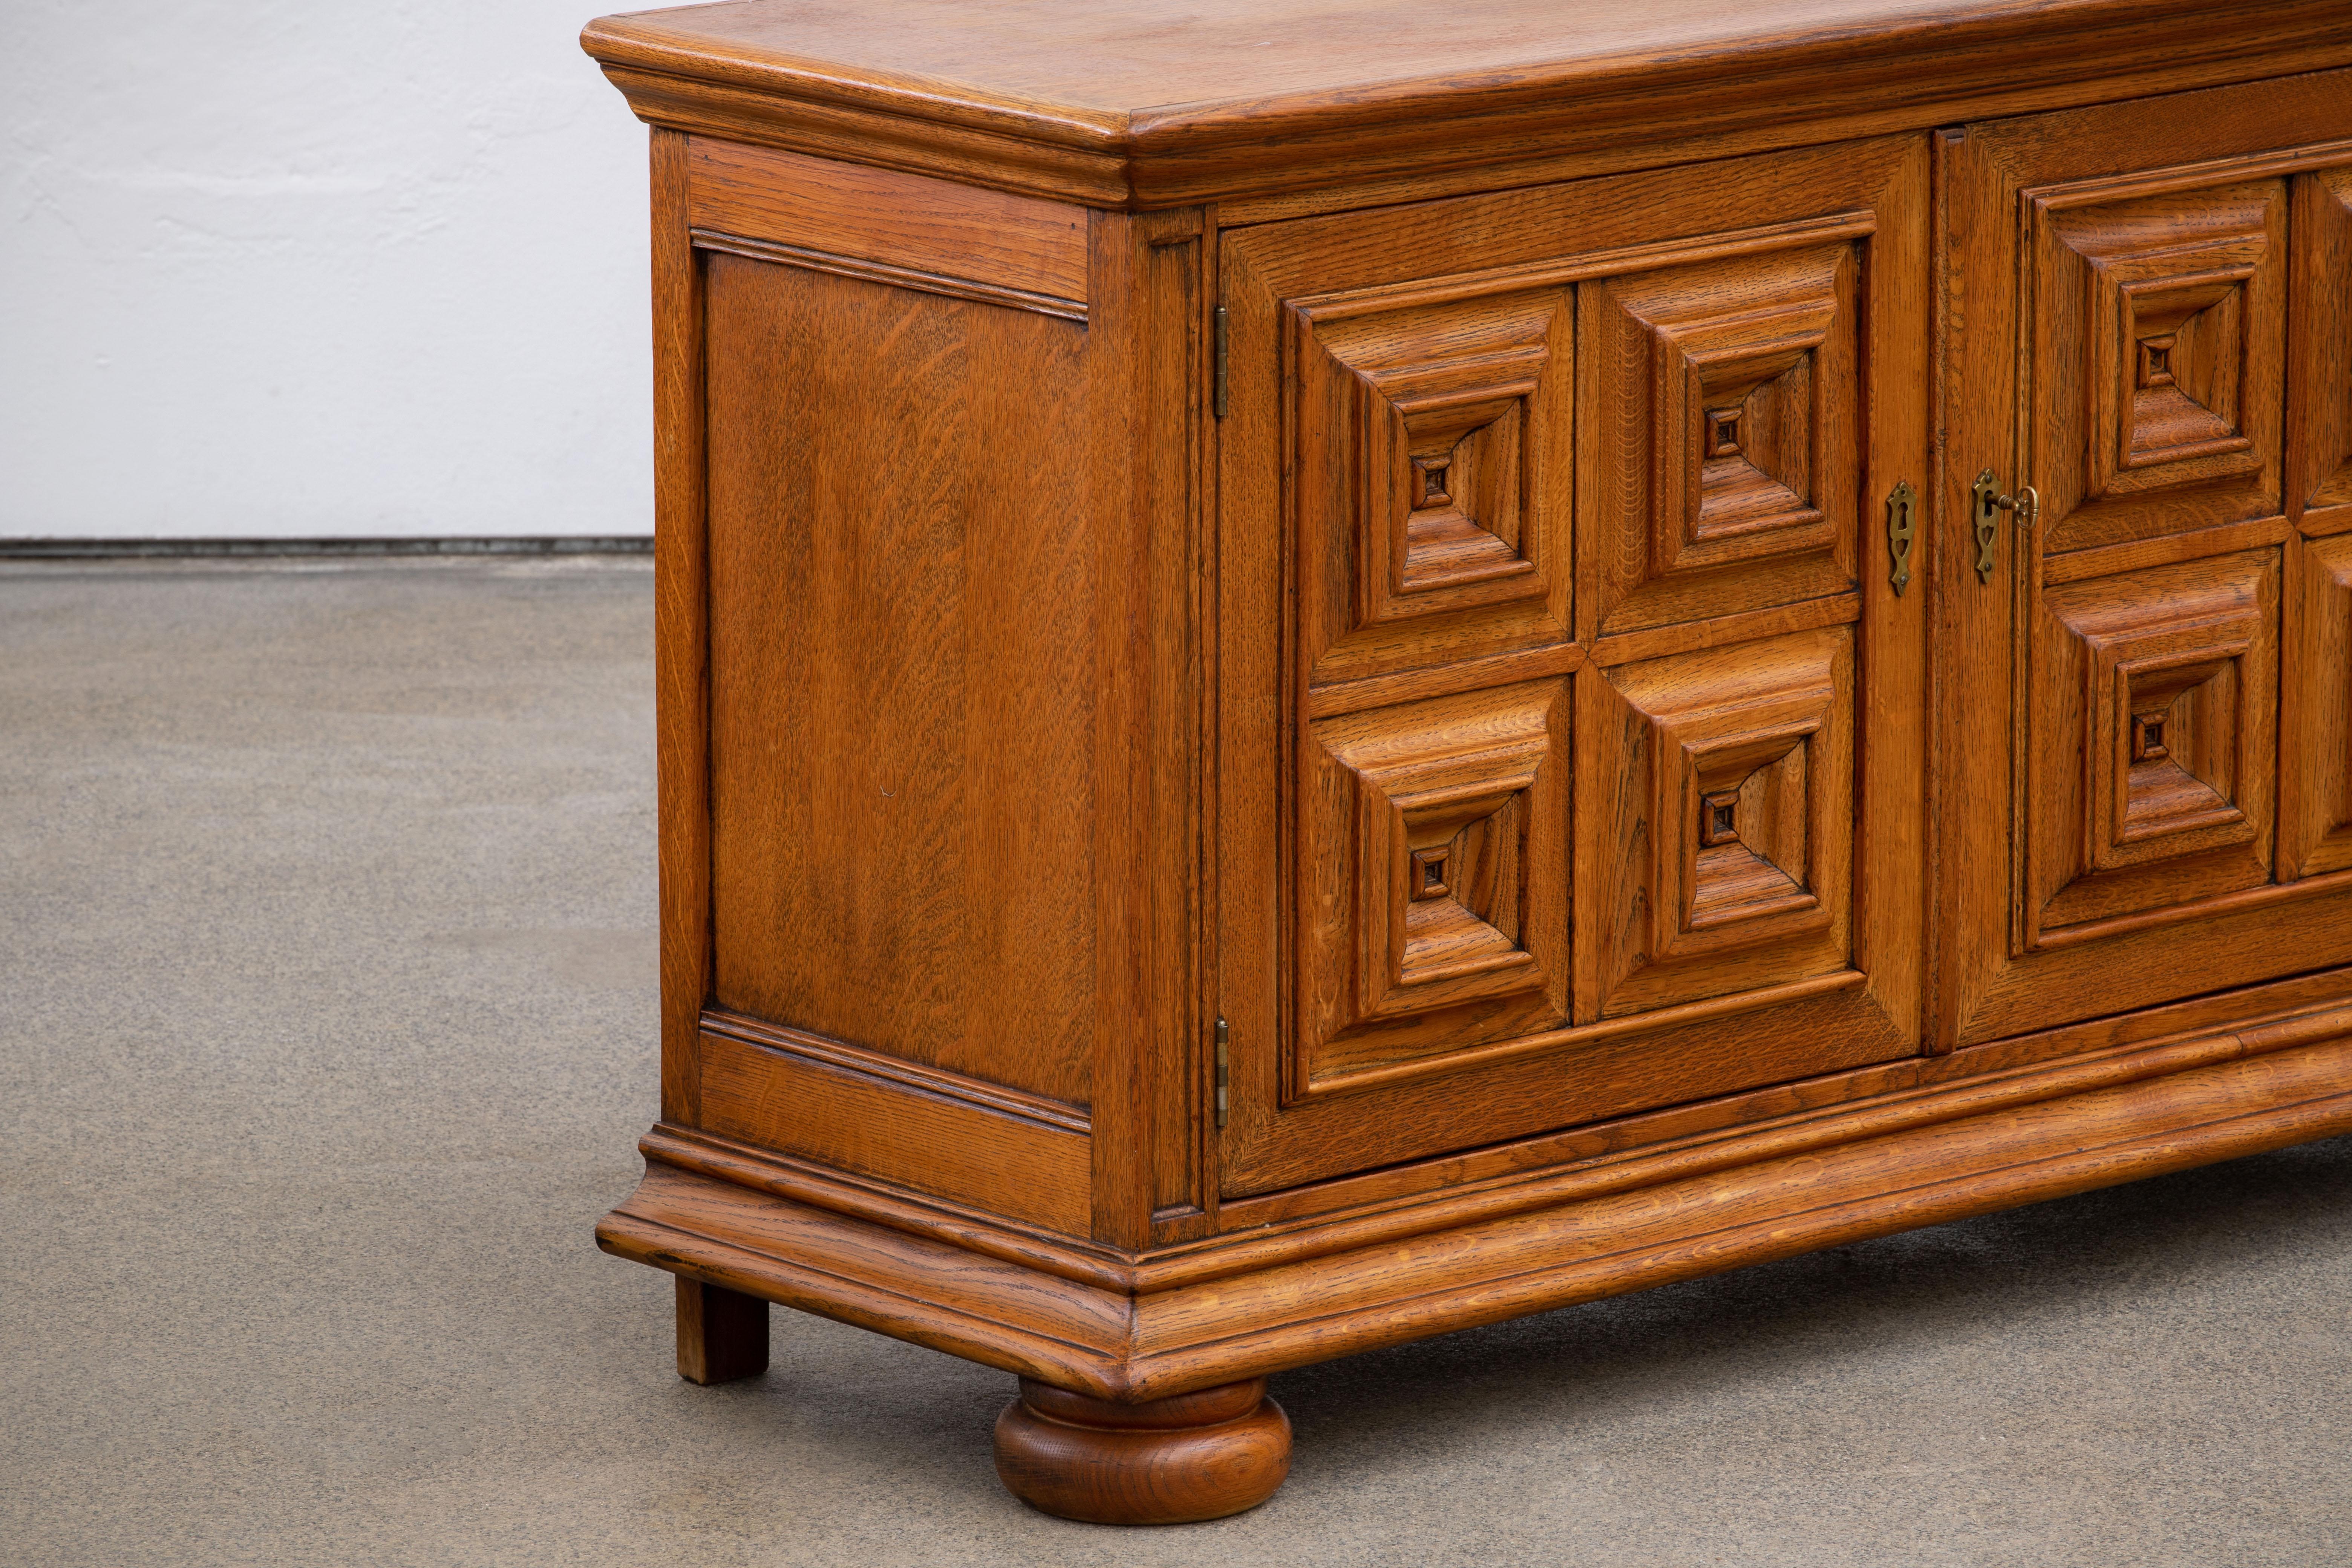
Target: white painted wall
{"type": "Point", "coordinates": [301, 268]}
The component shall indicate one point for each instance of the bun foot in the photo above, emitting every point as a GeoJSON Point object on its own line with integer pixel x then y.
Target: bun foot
{"type": "Point", "coordinates": [1171, 1462]}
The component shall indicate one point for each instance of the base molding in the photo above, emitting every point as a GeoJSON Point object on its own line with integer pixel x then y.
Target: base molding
{"type": "Point", "coordinates": [2283, 1083]}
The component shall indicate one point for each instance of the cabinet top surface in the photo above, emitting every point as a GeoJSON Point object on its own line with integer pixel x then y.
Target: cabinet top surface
{"type": "Point", "coordinates": [1109, 60]}
{"type": "Point", "coordinates": [1299, 86]}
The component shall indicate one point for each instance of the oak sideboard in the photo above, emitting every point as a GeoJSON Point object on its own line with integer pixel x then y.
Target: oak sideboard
{"type": "Point", "coordinates": [1327, 673]}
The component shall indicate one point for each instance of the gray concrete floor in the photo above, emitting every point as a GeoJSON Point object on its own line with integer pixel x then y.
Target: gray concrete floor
{"type": "Point", "coordinates": [328, 901]}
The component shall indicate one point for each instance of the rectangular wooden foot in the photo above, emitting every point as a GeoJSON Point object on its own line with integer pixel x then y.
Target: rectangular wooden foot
{"type": "Point", "coordinates": [722, 1334]}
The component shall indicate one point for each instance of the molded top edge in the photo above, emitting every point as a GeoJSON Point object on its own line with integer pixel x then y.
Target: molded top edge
{"type": "Point", "coordinates": [1135, 82]}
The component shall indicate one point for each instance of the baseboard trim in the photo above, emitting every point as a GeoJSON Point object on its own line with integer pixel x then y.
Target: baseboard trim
{"type": "Point", "coordinates": [142, 549]}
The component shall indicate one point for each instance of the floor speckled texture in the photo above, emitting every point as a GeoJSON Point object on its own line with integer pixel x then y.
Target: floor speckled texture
{"type": "Point", "coordinates": [328, 1031]}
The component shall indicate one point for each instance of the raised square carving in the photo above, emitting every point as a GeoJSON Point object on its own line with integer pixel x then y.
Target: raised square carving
{"type": "Point", "coordinates": [1431, 479]}
{"type": "Point", "coordinates": [1750, 854]}
{"type": "Point", "coordinates": [2152, 723]}
{"type": "Point", "coordinates": [2320, 379]}
{"type": "Point", "coordinates": [2177, 694]}
{"type": "Point", "coordinates": [1755, 467]}
{"type": "Point", "coordinates": [2189, 356]}
{"type": "Point", "coordinates": [1721, 436]}
{"type": "Point", "coordinates": [1432, 877]}
{"type": "Point", "coordinates": [1720, 812]}
{"type": "Point", "coordinates": [2318, 736]}
{"type": "Point", "coordinates": [2156, 335]}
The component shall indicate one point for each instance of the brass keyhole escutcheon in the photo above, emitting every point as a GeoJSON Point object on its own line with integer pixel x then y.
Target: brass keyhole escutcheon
{"type": "Point", "coordinates": [1902, 522]}
{"type": "Point", "coordinates": [1985, 513]}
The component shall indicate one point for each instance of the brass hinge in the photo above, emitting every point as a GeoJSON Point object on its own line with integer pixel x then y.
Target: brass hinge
{"type": "Point", "coordinates": [1225, 1071]}
{"type": "Point", "coordinates": [1217, 395]}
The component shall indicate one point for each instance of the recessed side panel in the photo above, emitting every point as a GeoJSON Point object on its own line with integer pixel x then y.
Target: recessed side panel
{"type": "Point", "coordinates": [900, 588]}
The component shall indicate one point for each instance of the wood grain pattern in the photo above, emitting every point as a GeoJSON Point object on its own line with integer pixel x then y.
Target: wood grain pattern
{"type": "Point", "coordinates": [1101, 101]}
{"type": "Point", "coordinates": [889, 276]}
{"type": "Point", "coordinates": [961, 1225]}
{"type": "Point", "coordinates": [1205, 1454]}
{"type": "Point", "coordinates": [2158, 323]}
{"type": "Point", "coordinates": [897, 574]}
{"type": "Point", "coordinates": [912, 1288]}
{"type": "Point", "coordinates": [1433, 830]}
{"type": "Point", "coordinates": [2163, 549]}
{"type": "Point", "coordinates": [2266, 1093]}
{"type": "Point", "coordinates": [1679, 523]}
{"type": "Point", "coordinates": [1360, 561]}
{"type": "Point", "coordinates": [1697, 896]}
{"type": "Point", "coordinates": [1371, 350]}
{"type": "Point", "coordinates": [1561, 1078]}
{"type": "Point", "coordinates": [2177, 203]}
{"type": "Point", "coordinates": [1542, 1261]}
{"type": "Point", "coordinates": [1145, 369]}
{"type": "Point", "coordinates": [2315, 831]}
{"type": "Point", "coordinates": [1432, 467]}
{"type": "Point", "coordinates": [927, 1130]}
{"type": "Point", "coordinates": [877, 215]}
{"type": "Point", "coordinates": [1173, 356]}
{"type": "Point", "coordinates": [1418, 1198]}
{"type": "Point", "coordinates": [2152, 778]}
{"type": "Point", "coordinates": [1814, 1112]}
{"type": "Point", "coordinates": [682, 632]}
{"type": "Point", "coordinates": [1727, 630]}
{"type": "Point", "coordinates": [2320, 352]}
{"type": "Point", "coordinates": [722, 1335]}
{"type": "Point", "coordinates": [1342, 696]}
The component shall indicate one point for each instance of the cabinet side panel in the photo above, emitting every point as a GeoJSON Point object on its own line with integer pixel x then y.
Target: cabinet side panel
{"type": "Point", "coordinates": [901, 604]}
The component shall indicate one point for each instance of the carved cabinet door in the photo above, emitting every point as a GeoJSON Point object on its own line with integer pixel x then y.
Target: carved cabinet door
{"type": "Point", "coordinates": [2145, 583]}
{"type": "Point", "coordinates": [1570, 735]}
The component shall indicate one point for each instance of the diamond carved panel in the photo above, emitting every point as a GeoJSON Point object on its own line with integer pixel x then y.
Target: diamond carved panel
{"type": "Point", "coordinates": [1721, 817]}
{"type": "Point", "coordinates": [1721, 436]}
{"type": "Point", "coordinates": [1431, 476]}
{"type": "Point", "coordinates": [2158, 334]}
{"type": "Point", "coordinates": [1433, 911]}
{"type": "Point", "coordinates": [2153, 751]}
